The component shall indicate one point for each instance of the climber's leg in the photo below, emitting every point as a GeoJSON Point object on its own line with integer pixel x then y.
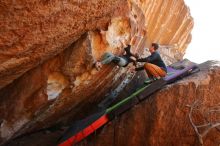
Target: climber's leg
{"type": "Point", "coordinates": [154, 70]}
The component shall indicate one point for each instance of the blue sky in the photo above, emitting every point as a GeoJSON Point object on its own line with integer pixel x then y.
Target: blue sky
{"type": "Point", "coordinates": [205, 44]}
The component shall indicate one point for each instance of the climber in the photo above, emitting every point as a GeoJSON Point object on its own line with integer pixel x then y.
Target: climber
{"type": "Point", "coordinates": [154, 66]}
{"type": "Point", "coordinates": [121, 61]}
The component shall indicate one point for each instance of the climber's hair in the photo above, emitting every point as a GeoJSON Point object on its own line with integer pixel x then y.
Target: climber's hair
{"type": "Point", "coordinates": [155, 45]}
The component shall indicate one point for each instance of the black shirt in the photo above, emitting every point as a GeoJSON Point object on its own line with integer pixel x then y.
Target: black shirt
{"type": "Point", "coordinates": [154, 58]}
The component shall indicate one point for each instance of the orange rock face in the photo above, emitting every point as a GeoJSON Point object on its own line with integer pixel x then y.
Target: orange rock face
{"type": "Point", "coordinates": [32, 32]}
{"type": "Point", "coordinates": [168, 23]}
{"type": "Point", "coordinates": [48, 50]}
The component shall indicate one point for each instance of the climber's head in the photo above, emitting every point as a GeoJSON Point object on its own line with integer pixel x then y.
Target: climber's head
{"type": "Point", "coordinates": [154, 47]}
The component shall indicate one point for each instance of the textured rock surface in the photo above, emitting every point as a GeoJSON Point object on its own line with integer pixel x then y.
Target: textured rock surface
{"type": "Point", "coordinates": [168, 23]}
{"type": "Point", "coordinates": [48, 48]}
{"type": "Point", "coordinates": [163, 118]}
{"type": "Point", "coordinates": [34, 31]}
